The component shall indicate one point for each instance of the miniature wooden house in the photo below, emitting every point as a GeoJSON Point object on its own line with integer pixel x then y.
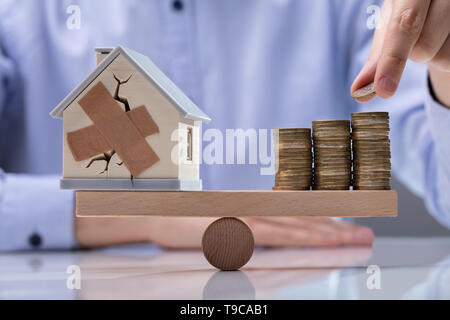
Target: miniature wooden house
{"type": "Point", "coordinates": [128, 126]}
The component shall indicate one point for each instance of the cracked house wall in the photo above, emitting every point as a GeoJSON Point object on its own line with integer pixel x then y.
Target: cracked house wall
{"type": "Point", "coordinates": [139, 91]}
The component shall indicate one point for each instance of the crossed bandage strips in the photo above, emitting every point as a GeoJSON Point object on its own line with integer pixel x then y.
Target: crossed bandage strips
{"type": "Point", "coordinates": [114, 129]}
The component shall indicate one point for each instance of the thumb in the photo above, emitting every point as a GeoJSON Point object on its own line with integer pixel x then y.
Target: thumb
{"type": "Point", "coordinates": [362, 87]}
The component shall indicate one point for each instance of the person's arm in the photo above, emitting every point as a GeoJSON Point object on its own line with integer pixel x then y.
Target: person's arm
{"type": "Point", "coordinates": [409, 29]}
{"type": "Point", "coordinates": [34, 212]}
{"type": "Point", "coordinates": [186, 233]}
{"type": "Point", "coordinates": [420, 125]}
{"type": "Point", "coordinates": [438, 195]}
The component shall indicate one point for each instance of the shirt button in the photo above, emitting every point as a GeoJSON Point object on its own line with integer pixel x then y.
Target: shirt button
{"type": "Point", "coordinates": [35, 240]}
{"type": "Point", "coordinates": [177, 5]}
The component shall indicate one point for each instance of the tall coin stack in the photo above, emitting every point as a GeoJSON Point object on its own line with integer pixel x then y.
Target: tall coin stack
{"type": "Point", "coordinates": [332, 155]}
{"type": "Point", "coordinates": [371, 151]}
{"type": "Point", "coordinates": [293, 159]}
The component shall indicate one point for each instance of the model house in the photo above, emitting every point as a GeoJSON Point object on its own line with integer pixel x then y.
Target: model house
{"type": "Point", "coordinates": [128, 126]}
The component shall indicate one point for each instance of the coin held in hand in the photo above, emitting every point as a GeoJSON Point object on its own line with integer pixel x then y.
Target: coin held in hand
{"type": "Point", "coordinates": [365, 93]}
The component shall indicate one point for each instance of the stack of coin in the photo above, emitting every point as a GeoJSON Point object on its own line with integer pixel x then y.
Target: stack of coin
{"type": "Point", "coordinates": [293, 159]}
{"type": "Point", "coordinates": [332, 155]}
{"type": "Point", "coordinates": [371, 151]}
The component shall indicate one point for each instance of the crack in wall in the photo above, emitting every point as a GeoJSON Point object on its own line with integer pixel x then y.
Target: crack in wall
{"type": "Point", "coordinates": [104, 157]}
{"type": "Point", "coordinates": [124, 101]}
{"type": "Point", "coordinates": [118, 98]}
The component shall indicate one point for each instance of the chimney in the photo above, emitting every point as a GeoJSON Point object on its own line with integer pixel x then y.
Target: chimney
{"type": "Point", "coordinates": [102, 52]}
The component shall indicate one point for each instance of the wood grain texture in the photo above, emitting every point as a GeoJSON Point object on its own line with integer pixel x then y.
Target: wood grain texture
{"type": "Point", "coordinates": [359, 203]}
{"type": "Point", "coordinates": [228, 244]}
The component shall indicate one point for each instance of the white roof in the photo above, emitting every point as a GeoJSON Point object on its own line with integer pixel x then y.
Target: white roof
{"type": "Point", "coordinates": [150, 71]}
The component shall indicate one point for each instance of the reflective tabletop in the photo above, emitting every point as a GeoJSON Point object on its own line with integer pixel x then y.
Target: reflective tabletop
{"type": "Point", "coordinates": [395, 268]}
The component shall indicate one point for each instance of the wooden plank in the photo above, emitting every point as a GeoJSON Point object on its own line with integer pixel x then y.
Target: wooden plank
{"type": "Point", "coordinates": [348, 203]}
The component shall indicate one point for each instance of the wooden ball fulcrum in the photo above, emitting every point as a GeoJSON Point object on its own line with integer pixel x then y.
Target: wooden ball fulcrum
{"type": "Point", "coordinates": [228, 244]}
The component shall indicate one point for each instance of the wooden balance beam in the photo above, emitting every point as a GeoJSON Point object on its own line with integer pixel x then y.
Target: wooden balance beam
{"type": "Point", "coordinates": [228, 242]}
{"type": "Point", "coordinates": [346, 203]}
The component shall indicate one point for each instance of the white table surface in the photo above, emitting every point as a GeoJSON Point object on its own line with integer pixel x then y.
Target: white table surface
{"type": "Point", "coordinates": [417, 268]}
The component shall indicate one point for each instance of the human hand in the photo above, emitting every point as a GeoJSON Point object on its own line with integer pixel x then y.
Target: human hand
{"type": "Point", "coordinates": [186, 233]}
{"type": "Point", "coordinates": [409, 29]}
{"type": "Point", "coordinates": [307, 232]}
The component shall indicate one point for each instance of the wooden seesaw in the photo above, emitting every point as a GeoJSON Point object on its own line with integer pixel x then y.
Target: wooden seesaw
{"type": "Point", "coordinates": [228, 242]}
{"type": "Point", "coordinates": [126, 113]}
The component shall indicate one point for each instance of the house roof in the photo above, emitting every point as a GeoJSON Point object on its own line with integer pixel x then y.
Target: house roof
{"type": "Point", "coordinates": [150, 71]}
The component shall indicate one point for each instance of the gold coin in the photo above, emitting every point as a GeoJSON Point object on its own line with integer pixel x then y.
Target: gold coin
{"type": "Point", "coordinates": [369, 114]}
{"type": "Point", "coordinates": [365, 93]}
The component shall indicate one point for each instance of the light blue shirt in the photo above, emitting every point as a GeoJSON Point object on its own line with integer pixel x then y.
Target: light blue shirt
{"type": "Point", "coordinates": [248, 64]}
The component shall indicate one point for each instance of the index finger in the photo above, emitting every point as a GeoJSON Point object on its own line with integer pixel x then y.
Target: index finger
{"type": "Point", "coordinates": [404, 27]}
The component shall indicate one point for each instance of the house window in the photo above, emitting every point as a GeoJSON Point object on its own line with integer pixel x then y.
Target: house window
{"type": "Point", "coordinates": [189, 144]}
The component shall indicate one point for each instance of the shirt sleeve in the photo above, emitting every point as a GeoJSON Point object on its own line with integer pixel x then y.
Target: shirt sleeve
{"type": "Point", "coordinates": [35, 213]}
{"type": "Point", "coordinates": [438, 192]}
{"type": "Point", "coordinates": [6, 70]}
{"type": "Point", "coordinates": [420, 126]}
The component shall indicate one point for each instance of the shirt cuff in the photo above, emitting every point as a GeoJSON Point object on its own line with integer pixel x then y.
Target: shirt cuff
{"type": "Point", "coordinates": [35, 213]}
